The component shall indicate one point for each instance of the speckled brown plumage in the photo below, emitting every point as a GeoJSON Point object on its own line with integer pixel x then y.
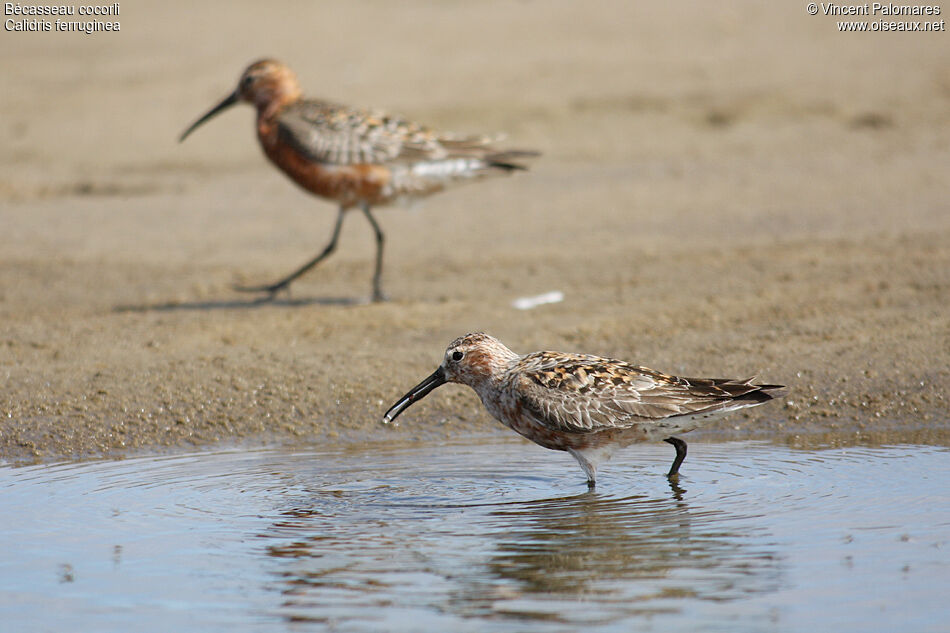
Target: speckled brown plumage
{"type": "Point", "coordinates": [586, 405]}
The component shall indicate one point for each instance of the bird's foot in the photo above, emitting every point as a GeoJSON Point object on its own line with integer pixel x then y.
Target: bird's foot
{"type": "Point", "coordinates": [272, 290]}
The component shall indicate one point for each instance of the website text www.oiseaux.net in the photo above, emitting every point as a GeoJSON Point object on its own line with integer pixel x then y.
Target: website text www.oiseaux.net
{"type": "Point", "coordinates": [883, 16]}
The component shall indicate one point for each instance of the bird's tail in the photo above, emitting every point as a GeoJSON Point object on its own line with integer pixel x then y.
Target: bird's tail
{"type": "Point", "coordinates": [748, 391]}
{"type": "Point", "coordinates": [509, 160]}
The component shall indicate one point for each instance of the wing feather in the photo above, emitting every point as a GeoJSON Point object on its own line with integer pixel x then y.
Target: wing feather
{"type": "Point", "coordinates": [583, 394]}
{"type": "Point", "coordinates": [338, 135]}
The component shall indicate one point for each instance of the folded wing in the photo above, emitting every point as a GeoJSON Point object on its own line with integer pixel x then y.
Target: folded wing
{"type": "Point", "coordinates": [339, 135]}
{"type": "Point", "coordinates": [584, 394]}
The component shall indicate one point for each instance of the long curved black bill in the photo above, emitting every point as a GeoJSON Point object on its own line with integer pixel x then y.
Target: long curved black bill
{"type": "Point", "coordinates": [418, 392]}
{"type": "Point", "coordinates": [229, 101]}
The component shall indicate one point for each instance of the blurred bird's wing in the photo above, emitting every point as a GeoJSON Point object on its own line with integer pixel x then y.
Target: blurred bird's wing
{"type": "Point", "coordinates": [334, 134]}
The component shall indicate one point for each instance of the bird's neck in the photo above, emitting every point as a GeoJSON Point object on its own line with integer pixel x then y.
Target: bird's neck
{"type": "Point", "coordinates": [492, 372]}
{"type": "Point", "coordinates": [270, 101]}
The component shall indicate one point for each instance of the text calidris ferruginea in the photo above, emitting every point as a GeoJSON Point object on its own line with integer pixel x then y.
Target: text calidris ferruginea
{"type": "Point", "coordinates": [585, 405]}
{"type": "Point", "coordinates": [357, 158]}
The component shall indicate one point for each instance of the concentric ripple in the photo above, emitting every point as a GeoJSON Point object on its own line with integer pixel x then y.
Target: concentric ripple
{"type": "Point", "coordinates": [482, 535]}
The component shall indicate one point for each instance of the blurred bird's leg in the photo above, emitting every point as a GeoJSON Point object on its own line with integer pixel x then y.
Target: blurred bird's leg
{"type": "Point", "coordinates": [380, 239]}
{"type": "Point", "coordinates": [277, 286]}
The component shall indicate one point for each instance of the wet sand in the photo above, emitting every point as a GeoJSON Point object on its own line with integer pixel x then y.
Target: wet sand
{"type": "Point", "coordinates": [727, 191]}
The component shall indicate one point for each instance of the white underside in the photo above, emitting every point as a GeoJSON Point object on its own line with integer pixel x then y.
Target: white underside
{"type": "Point", "coordinates": [590, 458]}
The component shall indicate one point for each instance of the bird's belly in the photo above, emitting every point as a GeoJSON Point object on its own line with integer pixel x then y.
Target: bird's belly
{"type": "Point", "coordinates": [512, 415]}
{"type": "Point", "coordinates": [562, 440]}
{"type": "Point", "coordinates": [347, 184]}
{"type": "Point", "coordinates": [646, 431]}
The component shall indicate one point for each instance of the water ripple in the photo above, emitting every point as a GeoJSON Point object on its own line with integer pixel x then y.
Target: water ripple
{"type": "Point", "coordinates": [487, 535]}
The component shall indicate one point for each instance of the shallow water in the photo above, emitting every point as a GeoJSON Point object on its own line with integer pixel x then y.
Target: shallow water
{"type": "Point", "coordinates": [497, 536]}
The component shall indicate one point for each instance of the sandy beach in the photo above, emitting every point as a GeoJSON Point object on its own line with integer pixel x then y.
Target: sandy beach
{"type": "Point", "coordinates": [724, 191]}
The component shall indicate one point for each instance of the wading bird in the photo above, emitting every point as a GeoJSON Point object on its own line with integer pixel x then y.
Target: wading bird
{"type": "Point", "coordinates": [585, 405]}
{"type": "Point", "coordinates": [357, 158]}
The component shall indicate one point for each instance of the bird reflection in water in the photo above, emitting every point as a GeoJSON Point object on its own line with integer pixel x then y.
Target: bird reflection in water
{"type": "Point", "coordinates": [526, 559]}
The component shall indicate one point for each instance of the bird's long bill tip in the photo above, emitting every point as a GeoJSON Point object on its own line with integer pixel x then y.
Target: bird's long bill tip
{"type": "Point", "coordinates": [227, 102]}
{"type": "Point", "coordinates": [418, 392]}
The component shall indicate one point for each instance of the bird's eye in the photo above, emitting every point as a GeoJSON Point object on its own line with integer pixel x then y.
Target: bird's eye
{"type": "Point", "coordinates": [247, 81]}
{"type": "Point", "coordinates": [457, 355]}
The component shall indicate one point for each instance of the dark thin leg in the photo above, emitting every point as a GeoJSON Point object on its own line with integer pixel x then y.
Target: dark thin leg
{"type": "Point", "coordinates": [680, 447]}
{"type": "Point", "coordinates": [380, 238]}
{"type": "Point", "coordinates": [277, 286]}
